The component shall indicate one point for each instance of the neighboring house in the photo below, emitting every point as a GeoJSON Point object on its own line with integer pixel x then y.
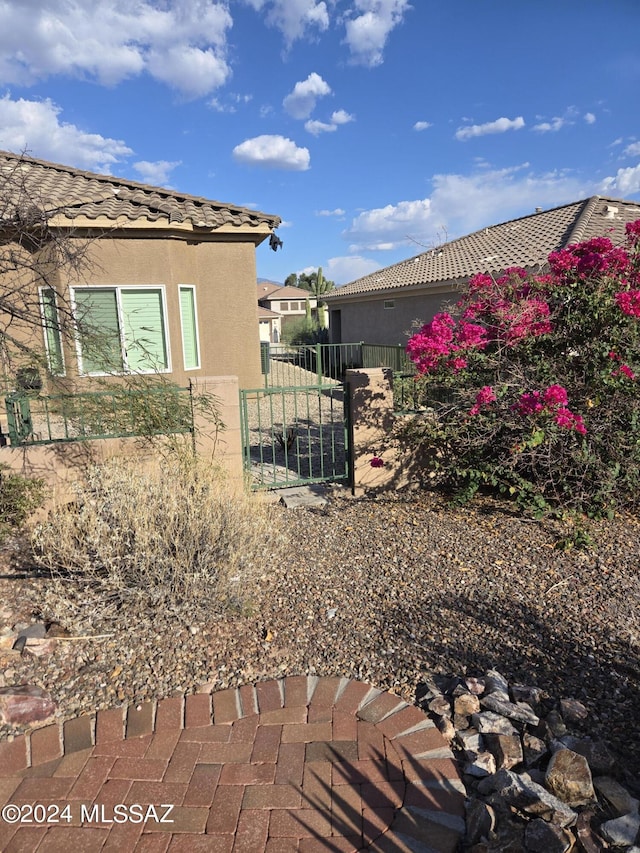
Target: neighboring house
{"type": "Point", "coordinates": [168, 284]}
{"type": "Point", "coordinates": [382, 307]}
{"type": "Point", "coordinates": [289, 302]}
{"type": "Point", "coordinates": [270, 325]}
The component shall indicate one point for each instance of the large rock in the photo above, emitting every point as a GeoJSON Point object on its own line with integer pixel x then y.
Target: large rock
{"type": "Point", "coordinates": [488, 721]}
{"type": "Point", "coordinates": [543, 837]}
{"type": "Point", "coordinates": [521, 712]}
{"type": "Point", "coordinates": [622, 831]}
{"type": "Point", "coordinates": [25, 704]}
{"type": "Point", "coordinates": [506, 749]}
{"type": "Point", "coordinates": [617, 798]}
{"type": "Point", "coordinates": [529, 797]}
{"type": "Point", "coordinates": [568, 777]}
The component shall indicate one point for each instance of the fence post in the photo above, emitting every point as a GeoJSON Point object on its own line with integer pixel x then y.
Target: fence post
{"type": "Point", "coordinates": [319, 363]}
{"type": "Point", "coordinates": [371, 423]}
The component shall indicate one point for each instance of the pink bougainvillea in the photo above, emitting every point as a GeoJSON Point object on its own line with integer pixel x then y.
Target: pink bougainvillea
{"type": "Point", "coordinates": [629, 302]}
{"type": "Point", "coordinates": [485, 396]}
{"type": "Point", "coordinates": [377, 462]}
{"type": "Point", "coordinates": [556, 395]}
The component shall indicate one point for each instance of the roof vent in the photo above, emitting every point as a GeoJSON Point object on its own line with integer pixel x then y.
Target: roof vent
{"type": "Point", "coordinates": [538, 210]}
{"type": "Point", "coordinates": [610, 211]}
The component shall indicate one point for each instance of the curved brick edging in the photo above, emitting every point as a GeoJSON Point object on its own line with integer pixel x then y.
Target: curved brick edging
{"type": "Point", "coordinates": [299, 764]}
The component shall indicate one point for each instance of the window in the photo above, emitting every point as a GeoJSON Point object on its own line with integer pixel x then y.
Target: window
{"type": "Point", "coordinates": [121, 329]}
{"type": "Point", "coordinates": [52, 331]}
{"type": "Point", "coordinates": [189, 323]}
{"type": "Point", "coordinates": [389, 303]}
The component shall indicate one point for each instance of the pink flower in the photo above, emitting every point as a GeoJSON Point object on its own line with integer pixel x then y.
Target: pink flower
{"type": "Point", "coordinates": [457, 364]}
{"type": "Point", "coordinates": [471, 335]}
{"type": "Point", "coordinates": [528, 404]}
{"type": "Point", "coordinates": [432, 342]}
{"type": "Point", "coordinates": [555, 395]}
{"type": "Point", "coordinates": [629, 302]}
{"type": "Point", "coordinates": [567, 420]}
{"type": "Point", "coordinates": [377, 462]}
{"type": "Point", "coordinates": [626, 370]}
{"type": "Point", "coordinates": [632, 230]}
{"type": "Point", "coordinates": [484, 397]}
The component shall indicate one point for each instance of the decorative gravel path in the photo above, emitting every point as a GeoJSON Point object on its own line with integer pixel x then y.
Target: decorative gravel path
{"type": "Point", "coordinates": [296, 764]}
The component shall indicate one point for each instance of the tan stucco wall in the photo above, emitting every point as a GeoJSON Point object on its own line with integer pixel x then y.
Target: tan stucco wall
{"type": "Point", "coordinates": [224, 274]}
{"type": "Point", "coordinates": [62, 464]}
{"type": "Point", "coordinates": [366, 318]}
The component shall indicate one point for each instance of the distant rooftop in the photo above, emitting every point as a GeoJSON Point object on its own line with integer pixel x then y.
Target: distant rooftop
{"type": "Point", "coordinates": [524, 242]}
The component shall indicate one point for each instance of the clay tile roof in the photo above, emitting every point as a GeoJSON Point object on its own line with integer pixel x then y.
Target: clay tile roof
{"type": "Point", "coordinates": [75, 193]}
{"type": "Point", "coordinates": [524, 242]}
{"type": "Point", "coordinates": [287, 292]}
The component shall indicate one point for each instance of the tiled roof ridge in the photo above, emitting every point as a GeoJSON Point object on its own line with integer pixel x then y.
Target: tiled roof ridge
{"type": "Point", "coordinates": [148, 189]}
{"type": "Point", "coordinates": [584, 208]}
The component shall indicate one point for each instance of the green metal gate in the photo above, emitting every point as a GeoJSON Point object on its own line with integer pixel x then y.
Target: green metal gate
{"type": "Point", "coordinates": [294, 435]}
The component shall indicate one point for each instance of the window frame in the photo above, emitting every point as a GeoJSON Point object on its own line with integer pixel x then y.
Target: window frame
{"type": "Point", "coordinates": [389, 304]}
{"type": "Point", "coordinates": [192, 288]}
{"type": "Point", "coordinates": [56, 329]}
{"type": "Point", "coordinates": [118, 289]}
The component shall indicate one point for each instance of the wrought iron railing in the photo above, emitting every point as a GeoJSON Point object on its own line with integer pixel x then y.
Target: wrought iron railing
{"type": "Point", "coordinates": [118, 413]}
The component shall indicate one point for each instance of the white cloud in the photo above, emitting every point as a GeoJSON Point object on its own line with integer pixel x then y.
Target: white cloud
{"type": "Point", "coordinates": [422, 125]}
{"type": "Point", "coordinates": [157, 172]}
{"type": "Point", "coordinates": [179, 42]}
{"type": "Point", "coordinates": [368, 31]}
{"type": "Point", "coordinates": [625, 181]}
{"type": "Point", "coordinates": [589, 118]}
{"type": "Point", "coordinates": [272, 152]}
{"type": "Point", "coordinates": [337, 118]}
{"type": "Point", "coordinates": [337, 212]}
{"type": "Point", "coordinates": [550, 126]}
{"type": "Point", "coordinates": [35, 126]}
{"type": "Point", "coordinates": [348, 268]}
{"type": "Point", "coordinates": [500, 125]}
{"type": "Point", "coordinates": [387, 227]}
{"type": "Point", "coordinates": [294, 18]}
{"type": "Point", "coordinates": [302, 101]}
{"type": "Point", "coordinates": [632, 150]}
{"type": "Point", "coordinates": [318, 127]}
{"type": "Point", "coordinates": [460, 204]}
{"type": "Point", "coordinates": [341, 117]}
{"type": "Point", "coordinates": [194, 72]}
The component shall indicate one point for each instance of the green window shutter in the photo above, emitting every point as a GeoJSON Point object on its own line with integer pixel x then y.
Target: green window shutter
{"type": "Point", "coordinates": [52, 333]}
{"type": "Point", "coordinates": [189, 328]}
{"type": "Point", "coordinates": [99, 330]}
{"type": "Point", "coordinates": [144, 330]}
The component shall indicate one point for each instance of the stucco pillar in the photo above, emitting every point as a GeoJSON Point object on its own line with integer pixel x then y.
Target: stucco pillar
{"type": "Point", "coordinates": [370, 429]}
{"type": "Point", "coordinates": [220, 442]}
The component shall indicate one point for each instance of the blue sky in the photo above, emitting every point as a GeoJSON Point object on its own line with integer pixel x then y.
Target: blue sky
{"type": "Point", "coordinates": [373, 128]}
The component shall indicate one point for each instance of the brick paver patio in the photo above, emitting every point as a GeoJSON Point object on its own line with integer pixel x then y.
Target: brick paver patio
{"type": "Point", "coordinates": [301, 764]}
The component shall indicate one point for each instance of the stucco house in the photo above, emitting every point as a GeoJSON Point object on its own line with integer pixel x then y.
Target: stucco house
{"type": "Point", "coordinates": [289, 302]}
{"type": "Point", "coordinates": [380, 308]}
{"type": "Point", "coordinates": [167, 280]}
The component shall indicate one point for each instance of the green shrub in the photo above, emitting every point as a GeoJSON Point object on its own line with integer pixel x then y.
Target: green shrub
{"type": "Point", "coordinates": [177, 537]}
{"type": "Point", "coordinates": [19, 497]}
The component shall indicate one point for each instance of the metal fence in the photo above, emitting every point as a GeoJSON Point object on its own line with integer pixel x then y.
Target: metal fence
{"type": "Point", "coordinates": [34, 419]}
{"type": "Point", "coordinates": [378, 355]}
{"type": "Point", "coordinates": [284, 365]}
{"type": "Point", "coordinates": [294, 435]}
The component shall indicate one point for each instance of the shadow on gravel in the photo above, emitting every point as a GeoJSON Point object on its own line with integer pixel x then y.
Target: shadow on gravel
{"type": "Point", "coordinates": [590, 664]}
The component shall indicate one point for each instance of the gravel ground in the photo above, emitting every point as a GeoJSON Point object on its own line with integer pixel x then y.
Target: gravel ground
{"type": "Point", "coordinates": [385, 589]}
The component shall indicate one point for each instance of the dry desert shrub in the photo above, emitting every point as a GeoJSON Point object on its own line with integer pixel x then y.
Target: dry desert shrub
{"type": "Point", "coordinates": [177, 539]}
